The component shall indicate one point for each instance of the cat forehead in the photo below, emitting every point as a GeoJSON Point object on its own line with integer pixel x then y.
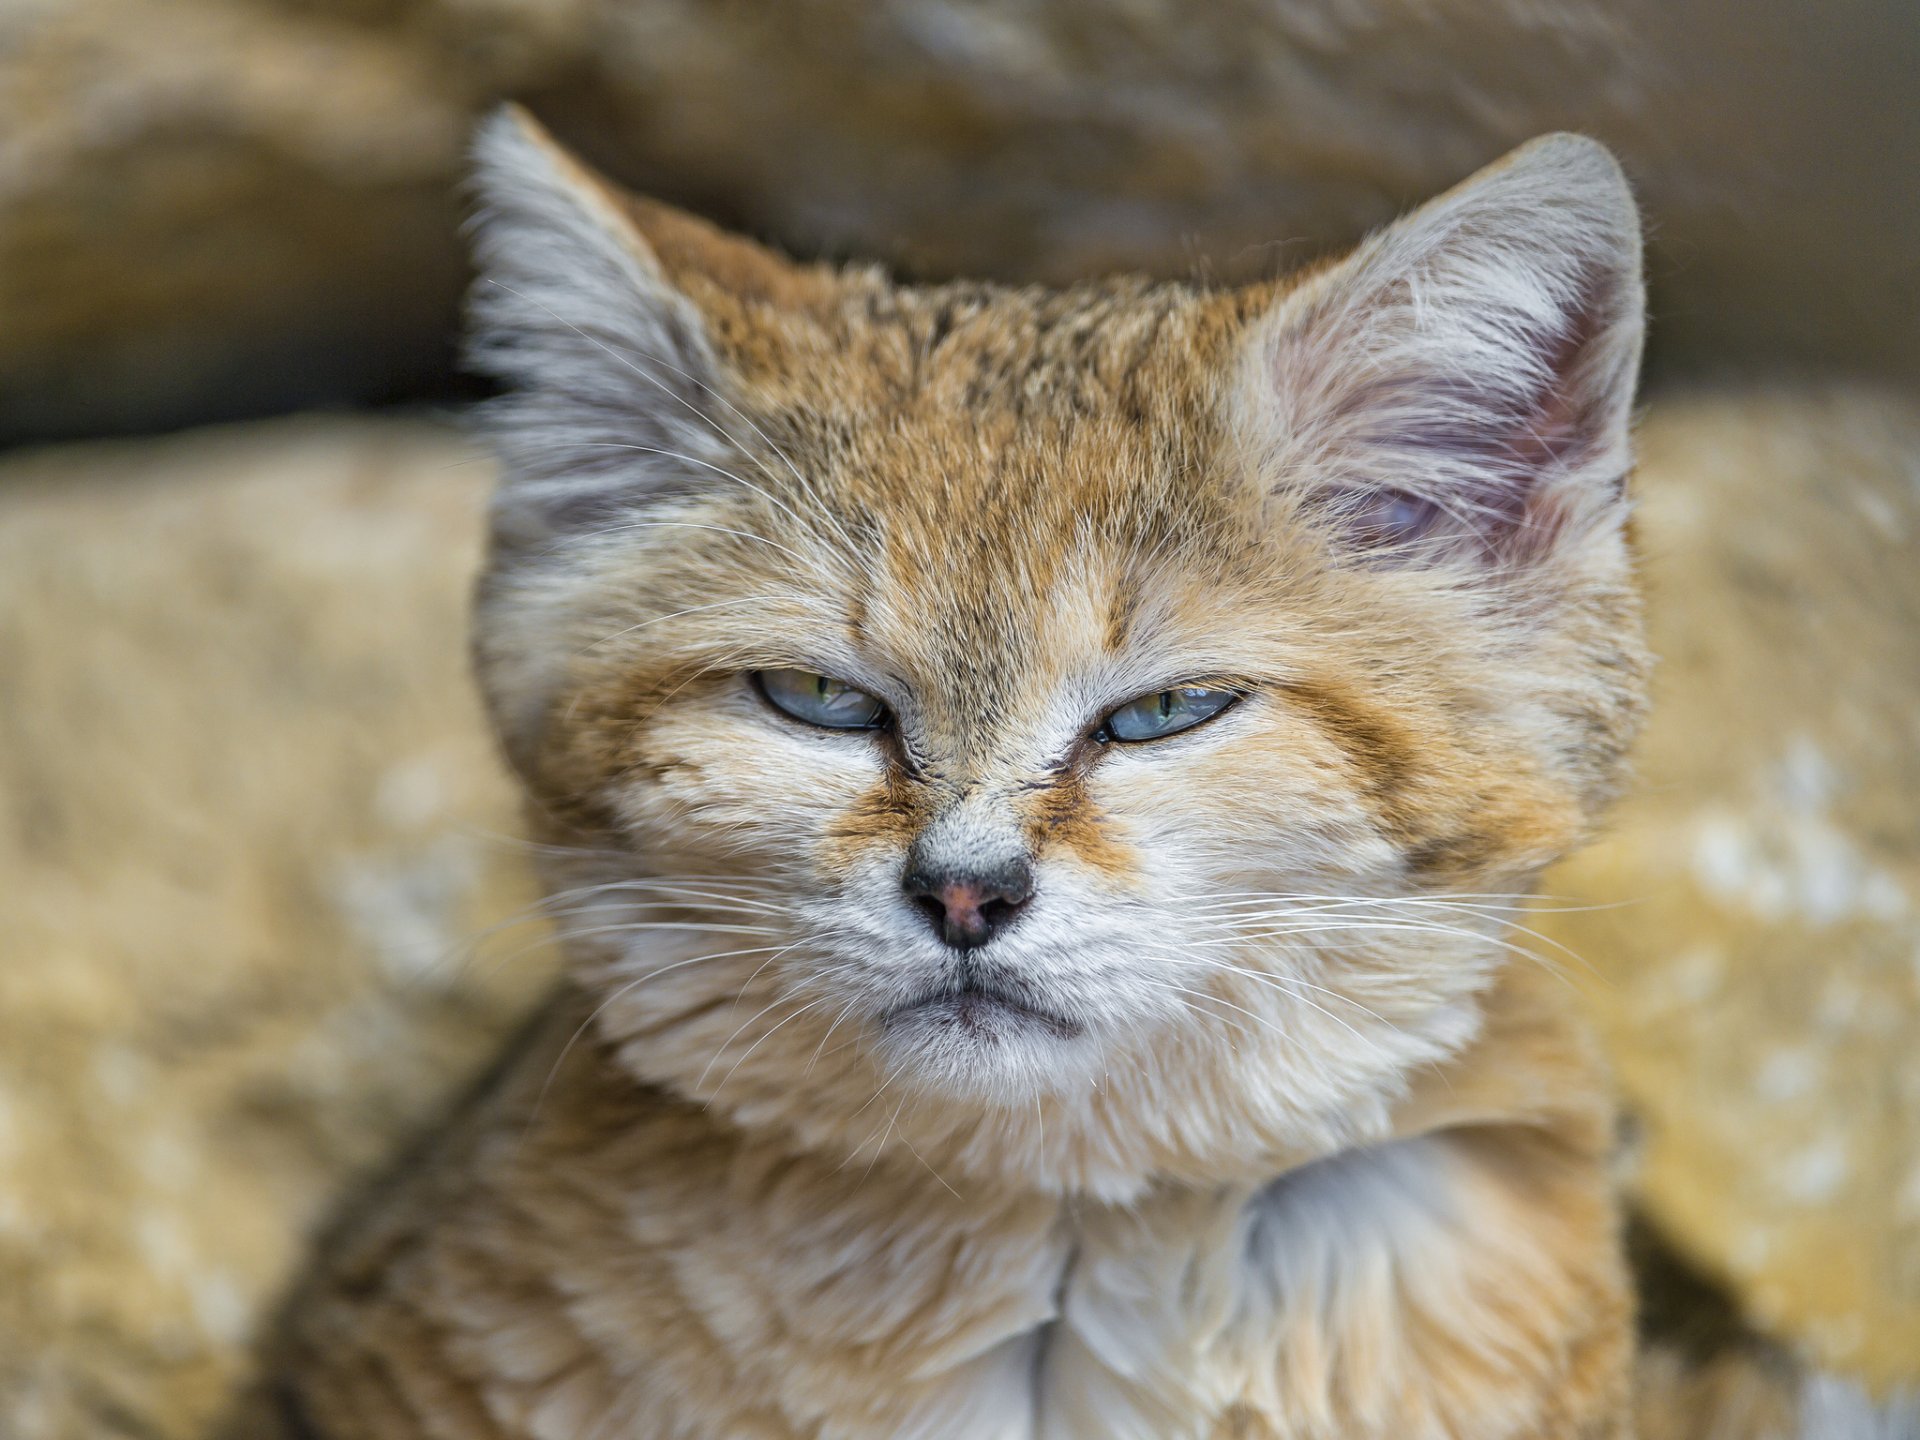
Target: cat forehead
{"type": "Point", "coordinates": [982, 418]}
{"type": "Point", "coordinates": [1053, 560]}
{"type": "Point", "coordinates": [989, 356]}
{"type": "Point", "coordinates": [1029, 477]}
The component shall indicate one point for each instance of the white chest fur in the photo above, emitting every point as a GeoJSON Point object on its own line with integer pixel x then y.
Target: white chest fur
{"type": "Point", "coordinates": [1297, 1306]}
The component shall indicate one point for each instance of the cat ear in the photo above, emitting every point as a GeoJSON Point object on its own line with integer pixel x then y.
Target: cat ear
{"type": "Point", "coordinates": [608, 374]}
{"type": "Point", "coordinates": [1462, 383]}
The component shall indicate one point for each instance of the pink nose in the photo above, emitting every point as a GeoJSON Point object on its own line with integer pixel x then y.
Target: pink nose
{"type": "Point", "coordinates": [968, 910]}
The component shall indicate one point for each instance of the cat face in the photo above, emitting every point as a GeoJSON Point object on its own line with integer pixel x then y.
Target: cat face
{"type": "Point", "coordinates": [956, 702]}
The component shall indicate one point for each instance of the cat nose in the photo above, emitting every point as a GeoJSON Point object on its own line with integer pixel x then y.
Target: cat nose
{"type": "Point", "coordinates": [969, 907]}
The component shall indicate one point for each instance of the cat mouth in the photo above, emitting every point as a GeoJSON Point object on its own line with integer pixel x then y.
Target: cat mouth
{"type": "Point", "coordinates": [981, 1009]}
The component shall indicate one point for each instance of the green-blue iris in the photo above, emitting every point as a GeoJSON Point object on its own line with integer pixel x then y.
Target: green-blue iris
{"type": "Point", "coordinates": [820, 700]}
{"type": "Point", "coordinates": [1165, 712]}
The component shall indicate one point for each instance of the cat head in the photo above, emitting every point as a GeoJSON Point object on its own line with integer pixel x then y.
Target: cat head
{"type": "Point", "coordinates": [1086, 732]}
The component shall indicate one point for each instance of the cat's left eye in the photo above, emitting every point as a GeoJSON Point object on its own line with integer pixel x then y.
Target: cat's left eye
{"type": "Point", "coordinates": [820, 700]}
{"type": "Point", "coordinates": [1166, 712]}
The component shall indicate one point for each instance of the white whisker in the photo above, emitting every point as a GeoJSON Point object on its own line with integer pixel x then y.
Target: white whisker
{"type": "Point", "coordinates": [601, 1008]}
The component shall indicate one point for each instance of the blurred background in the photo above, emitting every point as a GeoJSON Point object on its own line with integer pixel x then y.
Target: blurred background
{"type": "Point", "coordinates": [261, 908]}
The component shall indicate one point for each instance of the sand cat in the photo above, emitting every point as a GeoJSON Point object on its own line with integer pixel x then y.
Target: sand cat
{"type": "Point", "coordinates": [1036, 785]}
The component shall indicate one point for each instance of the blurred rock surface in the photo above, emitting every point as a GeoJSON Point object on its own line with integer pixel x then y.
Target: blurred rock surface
{"type": "Point", "coordinates": [213, 207]}
{"type": "Point", "coordinates": [1758, 970]}
{"type": "Point", "coordinates": [255, 836]}
{"type": "Point", "coordinates": [252, 835]}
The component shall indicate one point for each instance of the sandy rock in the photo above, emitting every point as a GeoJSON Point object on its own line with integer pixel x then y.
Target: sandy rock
{"type": "Point", "coordinates": [1758, 974]}
{"type": "Point", "coordinates": [209, 207]}
{"type": "Point", "coordinates": [215, 206]}
{"type": "Point", "coordinates": [253, 837]}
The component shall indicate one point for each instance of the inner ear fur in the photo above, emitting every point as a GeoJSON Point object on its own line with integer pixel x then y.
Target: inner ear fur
{"type": "Point", "coordinates": [595, 312]}
{"type": "Point", "coordinates": [1478, 356]}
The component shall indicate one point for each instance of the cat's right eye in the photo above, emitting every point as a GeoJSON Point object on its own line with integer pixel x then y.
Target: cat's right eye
{"type": "Point", "coordinates": [820, 700]}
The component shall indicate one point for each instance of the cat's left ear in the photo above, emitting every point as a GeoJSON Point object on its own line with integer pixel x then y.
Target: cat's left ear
{"type": "Point", "coordinates": [1462, 384]}
{"type": "Point", "coordinates": [588, 312]}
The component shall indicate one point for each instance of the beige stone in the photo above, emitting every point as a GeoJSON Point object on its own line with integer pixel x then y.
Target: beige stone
{"type": "Point", "coordinates": [253, 837]}
{"type": "Point", "coordinates": [1758, 971]}
{"type": "Point", "coordinates": [210, 206]}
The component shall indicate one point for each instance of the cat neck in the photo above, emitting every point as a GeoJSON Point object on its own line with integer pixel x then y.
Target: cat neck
{"type": "Point", "coordinates": [1493, 1058]}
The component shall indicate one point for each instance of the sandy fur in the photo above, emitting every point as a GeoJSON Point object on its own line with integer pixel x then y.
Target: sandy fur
{"type": "Point", "coordinates": [1304, 1147]}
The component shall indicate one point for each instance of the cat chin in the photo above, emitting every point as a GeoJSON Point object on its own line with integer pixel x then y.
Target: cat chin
{"type": "Point", "coordinates": [979, 1045]}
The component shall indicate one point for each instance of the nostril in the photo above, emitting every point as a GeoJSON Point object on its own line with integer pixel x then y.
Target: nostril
{"type": "Point", "coordinates": [930, 906]}
{"type": "Point", "coordinates": [997, 912]}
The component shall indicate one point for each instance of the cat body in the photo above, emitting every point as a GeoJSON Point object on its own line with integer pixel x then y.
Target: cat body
{"type": "Point", "coordinates": [1035, 786]}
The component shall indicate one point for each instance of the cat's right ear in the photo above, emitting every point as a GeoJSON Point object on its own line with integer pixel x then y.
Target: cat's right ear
{"type": "Point", "coordinates": [607, 373]}
{"type": "Point", "coordinates": [1460, 387]}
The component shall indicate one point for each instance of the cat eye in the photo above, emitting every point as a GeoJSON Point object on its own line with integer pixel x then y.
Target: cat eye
{"type": "Point", "coordinates": [1383, 520]}
{"type": "Point", "coordinates": [820, 700]}
{"type": "Point", "coordinates": [1390, 518]}
{"type": "Point", "coordinates": [1166, 712]}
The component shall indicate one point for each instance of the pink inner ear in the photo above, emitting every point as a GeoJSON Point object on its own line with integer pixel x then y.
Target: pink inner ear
{"type": "Point", "coordinates": [1568, 407]}
{"type": "Point", "coordinates": [1473, 453]}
